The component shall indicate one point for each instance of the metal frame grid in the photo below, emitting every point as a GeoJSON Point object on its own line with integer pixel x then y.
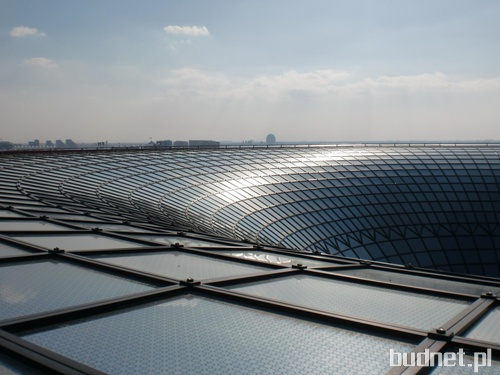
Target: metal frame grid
{"type": "Point", "coordinates": [429, 206]}
{"type": "Point", "coordinates": [43, 209]}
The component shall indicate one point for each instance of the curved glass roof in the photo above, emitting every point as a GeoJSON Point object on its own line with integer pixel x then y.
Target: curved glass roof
{"type": "Point", "coordinates": [247, 261]}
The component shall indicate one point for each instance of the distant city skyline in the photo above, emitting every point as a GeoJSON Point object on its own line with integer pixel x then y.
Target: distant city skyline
{"type": "Point", "coordinates": [239, 70]}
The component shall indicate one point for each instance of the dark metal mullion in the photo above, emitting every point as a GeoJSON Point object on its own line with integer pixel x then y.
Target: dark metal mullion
{"type": "Point", "coordinates": [43, 219]}
{"type": "Point", "coordinates": [25, 258]}
{"type": "Point", "coordinates": [68, 223]}
{"type": "Point", "coordinates": [117, 270]}
{"type": "Point", "coordinates": [405, 333]}
{"type": "Point", "coordinates": [340, 266]}
{"type": "Point", "coordinates": [389, 285]}
{"type": "Point", "coordinates": [266, 275]}
{"type": "Point", "coordinates": [469, 316]}
{"type": "Point", "coordinates": [88, 309]}
{"type": "Point", "coordinates": [128, 250]}
{"type": "Point", "coordinates": [19, 243]}
{"type": "Point", "coordinates": [125, 237]}
{"type": "Point", "coordinates": [438, 275]}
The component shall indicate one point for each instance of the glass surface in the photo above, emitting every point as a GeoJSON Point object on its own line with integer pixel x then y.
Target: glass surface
{"type": "Point", "coordinates": [19, 206]}
{"type": "Point", "coordinates": [34, 287]}
{"type": "Point", "coordinates": [45, 209]}
{"type": "Point", "coordinates": [76, 241]}
{"type": "Point", "coordinates": [29, 225]}
{"type": "Point", "coordinates": [195, 335]}
{"type": "Point", "coordinates": [5, 213]}
{"type": "Point", "coordinates": [275, 258]}
{"type": "Point", "coordinates": [362, 301]}
{"type": "Point", "coordinates": [109, 227]}
{"type": "Point", "coordinates": [468, 368]}
{"type": "Point", "coordinates": [419, 281]}
{"type": "Point", "coordinates": [8, 250]}
{"type": "Point", "coordinates": [57, 216]}
{"type": "Point", "coordinates": [11, 365]}
{"type": "Point", "coordinates": [178, 265]}
{"type": "Point", "coordinates": [186, 241]}
{"type": "Point", "coordinates": [488, 327]}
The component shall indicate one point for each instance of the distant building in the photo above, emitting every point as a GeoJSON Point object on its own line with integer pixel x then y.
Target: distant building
{"type": "Point", "coordinates": [181, 144]}
{"type": "Point", "coordinates": [4, 145]}
{"type": "Point", "coordinates": [203, 143]}
{"type": "Point", "coordinates": [35, 143]}
{"type": "Point", "coordinates": [166, 143]}
{"type": "Point", "coordinates": [70, 144]}
{"type": "Point", "coordinates": [49, 144]}
{"type": "Point", "coordinates": [271, 139]}
{"type": "Point", "coordinates": [60, 144]}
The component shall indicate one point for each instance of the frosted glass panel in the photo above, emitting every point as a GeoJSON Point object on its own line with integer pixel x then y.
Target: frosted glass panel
{"type": "Point", "coordinates": [7, 251]}
{"type": "Point", "coordinates": [33, 287]}
{"type": "Point", "coordinates": [419, 281]}
{"type": "Point", "coordinates": [57, 216]}
{"type": "Point", "coordinates": [468, 368]}
{"type": "Point", "coordinates": [178, 265]}
{"type": "Point", "coordinates": [109, 227]}
{"type": "Point", "coordinates": [363, 301]}
{"type": "Point", "coordinates": [488, 328]}
{"type": "Point", "coordinates": [10, 365]}
{"type": "Point", "coordinates": [30, 225]}
{"type": "Point", "coordinates": [5, 213]}
{"type": "Point", "coordinates": [77, 241]}
{"type": "Point", "coordinates": [195, 335]}
{"type": "Point", "coordinates": [181, 240]}
{"type": "Point", "coordinates": [275, 258]}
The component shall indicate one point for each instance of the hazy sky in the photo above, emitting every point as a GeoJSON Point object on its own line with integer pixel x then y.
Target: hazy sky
{"type": "Point", "coordinates": [238, 70]}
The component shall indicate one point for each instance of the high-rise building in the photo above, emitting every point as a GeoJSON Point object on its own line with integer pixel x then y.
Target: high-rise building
{"type": "Point", "coordinates": [258, 260]}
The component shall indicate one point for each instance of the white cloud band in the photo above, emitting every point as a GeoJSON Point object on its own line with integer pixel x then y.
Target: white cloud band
{"type": "Point", "coordinates": [40, 62]}
{"type": "Point", "coordinates": [317, 83]}
{"type": "Point", "coordinates": [187, 30]}
{"type": "Point", "coordinates": [23, 31]}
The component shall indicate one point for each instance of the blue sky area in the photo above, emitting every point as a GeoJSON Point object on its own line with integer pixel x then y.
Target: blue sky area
{"type": "Point", "coordinates": [238, 70]}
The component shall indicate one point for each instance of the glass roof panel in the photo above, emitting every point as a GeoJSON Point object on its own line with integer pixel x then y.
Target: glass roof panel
{"type": "Point", "coordinates": [274, 258]}
{"type": "Point", "coordinates": [6, 213]}
{"type": "Point", "coordinates": [419, 281]}
{"type": "Point", "coordinates": [362, 301]}
{"type": "Point", "coordinates": [109, 227]}
{"type": "Point", "coordinates": [186, 241]}
{"type": "Point", "coordinates": [56, 216]}
{"type": "Point", "coordinates": [9, 250]}
{"type": "Point", "coordinates": [29, 225]}
{"type": "Point", "coordinates": [224, 338]}
{"type": "Point", "coordinates": [10, 365]}
{"type": "Point", "coordinates": [488, 327]}
{"type": "Point", "coordinates": [34, 287]}
{"type": "Point", "coordinates": [87, 241]}
{"type": "Point", "coordinates": [483, 367]}
{"type": "Point", "coordinates": [178, 265]}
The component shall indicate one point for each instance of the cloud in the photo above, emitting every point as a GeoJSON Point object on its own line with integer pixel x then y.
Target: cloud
{"type": "Point", "coordinates": [323, 84]}
{"type": "Point", "coordinates": [40, 62]}
{"type": "Point", "coordinates": [23, 31]}
{"type": "Point", "coordinates": [187, 30]}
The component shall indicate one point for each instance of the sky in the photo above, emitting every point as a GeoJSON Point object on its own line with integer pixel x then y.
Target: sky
{"type": "Point", "coordinates": [234, 70]}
